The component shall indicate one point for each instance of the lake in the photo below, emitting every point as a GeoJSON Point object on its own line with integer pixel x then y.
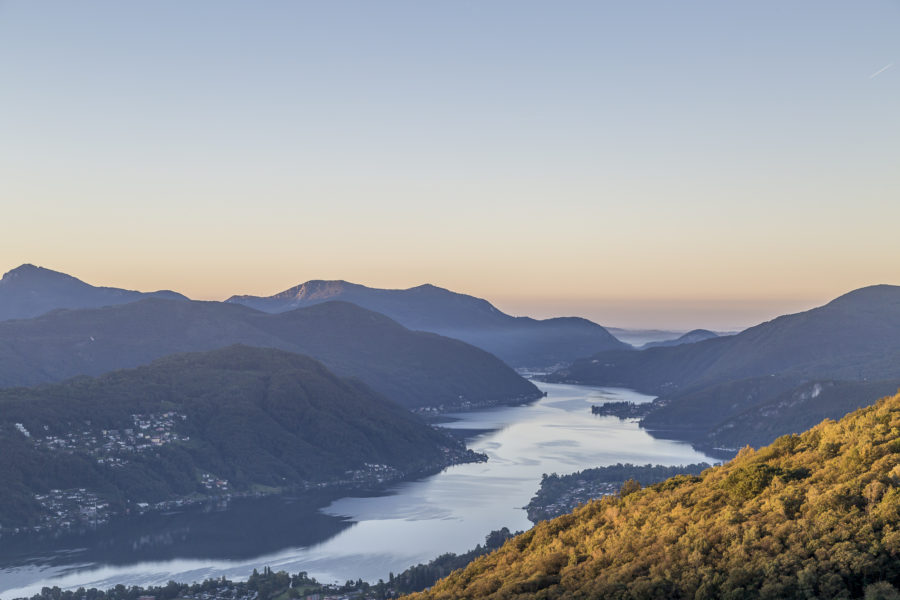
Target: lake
{"type": "Point", "coordinates": [336, 539]}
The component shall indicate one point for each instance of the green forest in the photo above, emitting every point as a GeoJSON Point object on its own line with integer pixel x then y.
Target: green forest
{"type": "Point", "coordinates": [248, 419]}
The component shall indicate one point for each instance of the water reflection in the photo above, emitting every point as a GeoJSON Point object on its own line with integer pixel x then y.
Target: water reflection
{"type": "Point", "coordinates": [364, 537]}
{"type": "Point", "coordinates": [242, 529]}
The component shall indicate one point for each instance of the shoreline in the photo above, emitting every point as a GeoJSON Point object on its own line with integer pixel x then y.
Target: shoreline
{"type": "Point", "coordinates": [372, 516]}
{"type": "Point", "coordinates": [369, 483]}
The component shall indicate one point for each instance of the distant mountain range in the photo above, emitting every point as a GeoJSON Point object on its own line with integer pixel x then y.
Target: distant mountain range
{"type": "Point", "coordinates": [238, 419]}
{"type": "Point", "coordinates": [29, 291]}
{"type": "Point", "coordinates": [697, 335]}
{"type": "Point", "coordinates": [415, 369]}
{"type": "Point", "coordinates": [640, 337]}
{"type": "Point", "coordinates": [716, 391]}
{"type": "Point", "coordinates": [708, 385]}
{"type": "Point", "coordinates": [520, 341]}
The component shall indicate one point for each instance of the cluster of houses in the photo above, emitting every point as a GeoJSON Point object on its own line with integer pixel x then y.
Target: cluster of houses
{"type": "Point", "coordinates": [232, 592]}
{"type": "Point", "coordinates": [211, 482]}
{"type": "Point", "coordinates": [111, 447]}
{"type": "Point", "coordinates": [623, 409]}
{"type": "Point", "coordinates": [65, 509]}
{"type": "Point", "coordinates": [464, 405]}
{"type": "Point", "coordinates": [582, 492]}
{"type": "Point", "coordinates": [373, 473]}
{"type": "Point", "coordinates": [227, 591]}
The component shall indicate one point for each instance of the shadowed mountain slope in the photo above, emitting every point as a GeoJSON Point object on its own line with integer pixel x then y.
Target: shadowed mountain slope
{"type": "Point", "coordinates": [856, 337]}
{"type": "Point", "coordinates": [251, 416]}
{"type": "Point", "coordinates": [520, 341]}
{"type": "Point", "coordinates": [29, 291]}
{"type": "Point", "coordinates": [412, 368]}
{"type": "Point", "coordinates": [696, 335]}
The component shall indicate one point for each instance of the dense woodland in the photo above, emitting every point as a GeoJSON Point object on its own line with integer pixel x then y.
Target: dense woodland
{"type": "Point", "coordinates": [422, 576]}
{"type": "Point", "coordinates": [261, 419]}
{"type": "Point", "coordinates": [810, 516]}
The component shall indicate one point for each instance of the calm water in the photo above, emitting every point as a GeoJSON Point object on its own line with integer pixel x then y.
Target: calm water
{"type": "Point", "coordinates": [348, 538]}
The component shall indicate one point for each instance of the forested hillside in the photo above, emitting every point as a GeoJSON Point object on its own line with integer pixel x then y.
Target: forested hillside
{"type": "Point", "coordinates": [815, 515]}
{"type": "Point", "coordinates": [233, 420]}
{"type": "Point", "coordinates": [706, 388]}
{"type": "Point", "coordinates": [412, 368]}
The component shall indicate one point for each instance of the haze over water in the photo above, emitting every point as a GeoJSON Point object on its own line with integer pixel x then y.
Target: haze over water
{"type": "Point", "coordinates": [415, 522]}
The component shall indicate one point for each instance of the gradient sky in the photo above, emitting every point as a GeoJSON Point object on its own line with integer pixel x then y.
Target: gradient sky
{"type": "Point", "coordinates": [670, 164]}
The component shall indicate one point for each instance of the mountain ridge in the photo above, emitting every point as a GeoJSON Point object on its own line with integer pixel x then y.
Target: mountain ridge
{"type": "Point", "coordinates": [855, 337]}
{"type": "Point", "coordinates": [29, 291]}
{"type": "Point", "coordinates": [415, 369]}
{"type": "Point", "coordinates": [520, 341]}
{"type": "Point", "coordinates": [693, 336]}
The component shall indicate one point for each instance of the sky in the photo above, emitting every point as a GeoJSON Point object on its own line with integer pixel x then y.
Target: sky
{"type": "Point", "coordinates": [643, 164]}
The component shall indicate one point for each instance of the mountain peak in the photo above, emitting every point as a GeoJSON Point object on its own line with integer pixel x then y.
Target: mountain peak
{"type": "Point", "coordinates": [31, 271]}
{"type": "Point", "coordinates": [29, 274]}
{"type": "Point", "coordinates": [29, 291]}
{"type": "Point", "coordinates": [521, 341]}
{"type": "Point", "coordinates": [24, 268]}
{"type": "Point", "coordinates": [429, 287]}
{"type": "Point", "coordinates": [317, 289]}
{"type": "Point", "coordinates": [872, 294]}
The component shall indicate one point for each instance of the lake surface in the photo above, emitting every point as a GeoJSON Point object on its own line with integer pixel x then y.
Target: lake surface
{"type": "Point", "coordinates": [336, 539]}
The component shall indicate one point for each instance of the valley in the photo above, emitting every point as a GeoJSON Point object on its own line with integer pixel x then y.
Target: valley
{"type": "Point", "coordinates": [363, 536]}
{"type": "Point", "coordinates": [239, 421]}
{"type": "Point", "coordinates": [449, 300]}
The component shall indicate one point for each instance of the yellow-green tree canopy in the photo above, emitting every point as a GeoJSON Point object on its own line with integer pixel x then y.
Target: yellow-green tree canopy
{"type": "Point", "coordinates": [815, 515]}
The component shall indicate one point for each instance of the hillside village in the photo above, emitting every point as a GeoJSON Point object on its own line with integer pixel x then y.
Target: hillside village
{"type": "Point", "coordinates": [80, 508]}
{"type": "Point", "coordinates": [111, 447]}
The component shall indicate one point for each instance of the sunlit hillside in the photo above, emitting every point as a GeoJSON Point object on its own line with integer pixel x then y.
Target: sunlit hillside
{"type": "Point", "coordinates": [810, 516]}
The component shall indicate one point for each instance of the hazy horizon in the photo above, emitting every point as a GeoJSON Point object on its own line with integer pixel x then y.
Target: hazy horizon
{"type": "Point", "coordinates": [655, 165]}
{"type": "Point", "coordinates": [675, 314]}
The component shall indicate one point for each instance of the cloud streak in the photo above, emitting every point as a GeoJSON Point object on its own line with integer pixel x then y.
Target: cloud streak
{"type": "Point", "coordinates": [881, 70]}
